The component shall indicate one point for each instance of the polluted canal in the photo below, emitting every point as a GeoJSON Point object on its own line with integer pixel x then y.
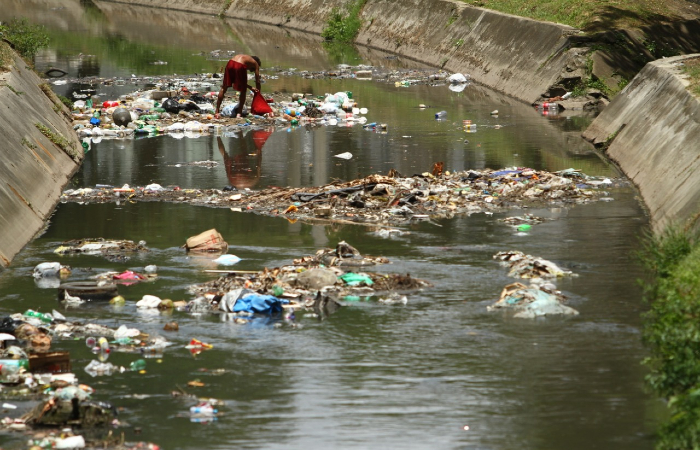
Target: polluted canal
{"type": "Point", "coordinates": [421, 341]}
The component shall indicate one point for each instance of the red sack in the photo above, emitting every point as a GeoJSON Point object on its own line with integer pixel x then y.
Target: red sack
{"type": "Point", "coordinates": [259, 105]}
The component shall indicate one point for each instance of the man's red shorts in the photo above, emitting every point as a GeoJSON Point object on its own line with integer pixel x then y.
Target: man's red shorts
{"type": "Point", "coordinates": [236, 75]}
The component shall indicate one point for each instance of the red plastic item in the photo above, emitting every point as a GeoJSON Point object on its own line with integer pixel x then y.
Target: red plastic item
{"type": "Point", "coordinates": [259, 105]}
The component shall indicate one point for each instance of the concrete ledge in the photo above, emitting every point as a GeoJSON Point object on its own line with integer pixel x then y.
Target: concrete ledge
{"type": "Point", "coordinates": [33, 170]}
{"type": "Point", "coordinates": [653, 130]}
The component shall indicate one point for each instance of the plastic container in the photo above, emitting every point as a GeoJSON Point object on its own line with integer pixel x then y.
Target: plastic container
{"type": "Point", "coordinates": [46, 318]}
{"type": "Point", "coordinates": [203, 409]}
{"type": "Point", "coordinates": [13, 365]}
{"type": "Point", "coordinates": [440, 115]}
{"type": "Point", "coordinates": [470, 128]}
{"type": "Point", "coordinates": [139, 364]}
{"type": "Point", "coordinates": [70, 442]}
{"type": "Point", "coordinates": [103, 344]}
{"type": "Point", "coordinates": [549, 105]}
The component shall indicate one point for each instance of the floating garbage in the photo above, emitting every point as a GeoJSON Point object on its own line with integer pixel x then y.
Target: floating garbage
{"type": "Point", "coordinates": [50, 269]}
{"type": "Point", "coordinates": [315, 284]}
{"type": "Point", "coordinates": [227, 260]}
{"type": "Point", "coordinates": [532, 301]}
{"type": "Point", "coordinates": [100, 246]}
{"type": "Point", "coordinates": [527, 266]}
{"type": "Point", "coordinates": [390, 199]}
{"type": "Point", "coordinates": [97, 368]}
{"type": "Point", "coordinates": [346, 155]}
{"type": "Point", "coordinates": [205, 242]}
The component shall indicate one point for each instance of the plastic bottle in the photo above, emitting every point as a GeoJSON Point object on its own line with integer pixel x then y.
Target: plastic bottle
{"type": "Point", "coordinates": [10, 367]}
{"type": "Point", "coordinates": [440, 115]}
{"type": "Point", "coordinates": [139, 364]}
{"type": "Point", "coordinates": [550, 105]}
{"type": "Point", "coordinates": [91, 342]}
{"type": "Point", "coordinates": [104, 344]}
{"type": "Point", "coordinates": [203, 409]}
{"type": "Point", "coordinates": [46, 318]}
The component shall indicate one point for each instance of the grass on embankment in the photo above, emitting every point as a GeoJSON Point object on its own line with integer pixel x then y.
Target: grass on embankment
{"type": "Point", "coordinates": [5, 56]}
{"type": "Point", "coordinates": [691, 67]}
{"type": "Point", "coordinates": [672, 334]}
{"type": "Point", "coordinates": [587, 15]}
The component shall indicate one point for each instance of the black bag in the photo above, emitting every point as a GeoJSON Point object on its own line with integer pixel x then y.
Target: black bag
{"type": "Point", "coordinates": [171, 105]}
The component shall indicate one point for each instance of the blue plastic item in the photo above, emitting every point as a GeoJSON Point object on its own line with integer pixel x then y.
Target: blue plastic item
{"type": "Point", "coordinates": [259, 303]}
{"type": "Point", "coordinates": [227, 260]}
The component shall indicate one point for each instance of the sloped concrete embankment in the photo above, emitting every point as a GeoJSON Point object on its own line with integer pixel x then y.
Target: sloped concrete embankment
{"type": "Point", "coordinates": [652, 128]}
{"type": "Point", "coordinates": [513, 55]}
{"type": "Point", "coordinates": [33, 169]}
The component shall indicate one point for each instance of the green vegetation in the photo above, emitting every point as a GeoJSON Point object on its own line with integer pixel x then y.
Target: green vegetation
{"type": "Point", "coordinates": [344, 27]}
{"type": "Point", "coordinates": [26, 142]}
{"type": "Point", "coordinates": [15, 90]}
{"type": "Point", "coordinates": [27, 39]}
{"type": "Point", "coordinates": [691, 68]}
{"type": "Point", "coordinates": [5, 56]}
{"type": "Point", "coordinates": [451, 20]}
{"type": "Point", "coordinates": [59, 140]}
{"type": "Point", "coordinates": [66, 101]}
{"type": "Point", "coordinates": [591, 15]}
{"type": "Point", "coordinates": [672, 333]}
{"type": "Point", "coordinates": [57, 102]}
{"type": "Point", "coordinates": [227, 5]}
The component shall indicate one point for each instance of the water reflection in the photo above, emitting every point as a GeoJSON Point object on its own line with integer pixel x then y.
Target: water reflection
{"type": "Point", "coordinates": [243, 161]}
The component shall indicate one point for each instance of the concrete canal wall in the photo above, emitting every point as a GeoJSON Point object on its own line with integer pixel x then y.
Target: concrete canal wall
{"type": "Point", "coordinates": [33, 169]}
{"type": "Point", "coordinates": [653, 131]}
{"type": "Point", "coordinates": [513, 55]}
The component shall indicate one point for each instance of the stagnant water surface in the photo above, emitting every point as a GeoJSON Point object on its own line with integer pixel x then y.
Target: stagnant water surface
{"type": "Point", "coordinates": [438, 372]}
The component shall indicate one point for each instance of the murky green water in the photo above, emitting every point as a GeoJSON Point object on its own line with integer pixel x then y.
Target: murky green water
{"type": "Point", "coordinates": [371, 375]}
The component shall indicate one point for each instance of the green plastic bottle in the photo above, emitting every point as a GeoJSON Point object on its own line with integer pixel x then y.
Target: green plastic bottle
{"type": "Point", "coordinates": [139, 364]}
{"type": "Point", "coordinates": [41, 316]}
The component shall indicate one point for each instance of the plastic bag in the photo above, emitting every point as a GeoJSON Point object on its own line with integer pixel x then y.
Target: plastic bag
{"type": "Point", "coordinates": [259, 105]}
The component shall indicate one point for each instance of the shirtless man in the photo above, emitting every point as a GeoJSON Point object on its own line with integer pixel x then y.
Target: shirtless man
{"type": "Point", "coordinates": [236, 75]}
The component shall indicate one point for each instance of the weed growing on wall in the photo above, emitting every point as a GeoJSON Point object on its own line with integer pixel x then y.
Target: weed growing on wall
{"type": "Point", "coordinates": [59, 140]}
{"type": "Point", "coordinates": [27, 39]}
{"type": "Point", "coordinates": [344, 26]}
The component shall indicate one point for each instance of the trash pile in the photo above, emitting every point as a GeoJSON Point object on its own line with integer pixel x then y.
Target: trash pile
{"type": "Point", "coordinates": [100, 246]}
{"type": "Point", "coordinates": [185, 106]}
{"type": "Point", "coordinates": [527, 266]}
{"type": "Point", "coordinates": [29, 371]}
{"type": "Point", "coordinates": [317, 284]}
{"type": "Point", "coordinates": [380, 199]}
{"type": "Point", "coordinates": [541, 297]}
{"type": "Point", "coordinates": [182, 112]}
{"type": "Point", "coordinates": [532, 301]}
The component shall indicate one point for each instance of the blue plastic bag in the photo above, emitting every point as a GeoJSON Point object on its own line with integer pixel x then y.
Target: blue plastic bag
{"type": "Point", "coordinates": [259, 304]}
